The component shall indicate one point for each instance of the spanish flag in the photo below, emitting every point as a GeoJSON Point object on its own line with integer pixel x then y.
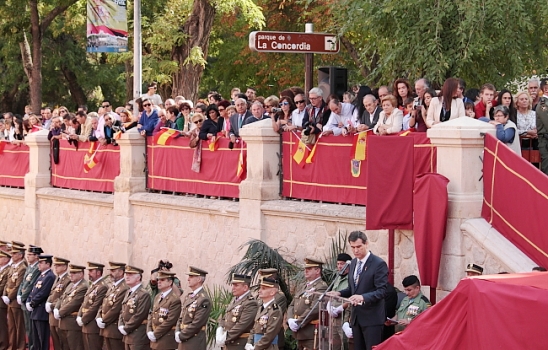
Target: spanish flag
{"type": "Point", "coordinates": [406, 132]}
{"type": "Point", "coordinates": [310, 157]}
{"type": "Point", "coordinates": [91, 159]}
{"type": "Point", "coordinates": [300, 153]}
{"type": "Point", "coordinates": [359, 146]}
{"type": "Point", "coordinates": [241, 165]}
{"type": "Point", "coordinates": [165, 136]}
{"type": "Point", "coordinates": [212, 144]}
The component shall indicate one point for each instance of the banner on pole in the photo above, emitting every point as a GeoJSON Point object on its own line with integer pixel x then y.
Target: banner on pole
{"type": "Point", "coordinates": [107, 26]}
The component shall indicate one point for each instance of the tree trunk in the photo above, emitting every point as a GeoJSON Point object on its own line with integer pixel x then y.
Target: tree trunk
{"type": "Point", "coordinates": [198, 29]}
{"type": "Point", "coordinates": [36, 69]}
{"type": "Point", "coordinates": [76, 91]}
{"type": "Point", "coordinates": [8, 96]}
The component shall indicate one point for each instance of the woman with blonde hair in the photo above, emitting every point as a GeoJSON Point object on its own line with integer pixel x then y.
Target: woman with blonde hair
{"type": "Point", "coordinates": [391, 118]}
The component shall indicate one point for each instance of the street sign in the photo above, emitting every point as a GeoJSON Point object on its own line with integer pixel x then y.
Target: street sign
{"type": "Point", "coordinates": [290, 42]}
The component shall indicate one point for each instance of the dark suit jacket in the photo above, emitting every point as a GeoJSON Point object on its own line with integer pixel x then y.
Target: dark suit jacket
{"type": "Point", "coordinates": [39, 295]}
{"type": "Point", "coordinates": [365, 118]}
{"type": "Point", "coordinates": [372, 286]}
{"type": "Point", "coordinates": [234, 127]}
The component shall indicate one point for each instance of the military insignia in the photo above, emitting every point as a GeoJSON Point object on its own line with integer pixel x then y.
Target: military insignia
{"type": "Point", "coordinates": [14, 277]}
{"type": "Point", "coordinates": [162, 313]}
{"type": "Point", "coordinates": [234, 319]}
{"type": "Point", "coordinates": [39, 284]}
{"type": "Point", "coordinates": [59, 288]}
{"type": "Point", "coordinates": [412, 310]}
{"type": "Point", "coordinates": [72, 293]}
{"type": "Point", "coordinates": [307, 301]}
{"type": "Point", "coordinates": [29, 278]}
{"type": "Point", "coordinates": [263, 320]}
{"type": "Point", "coordinates": [160, 320]}
{"type": "Point", "coordinates": [192, 308]}
{"type": "Point", "coordinates": [236, 312]}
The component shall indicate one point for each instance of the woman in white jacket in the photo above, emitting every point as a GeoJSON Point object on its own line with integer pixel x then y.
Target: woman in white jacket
{"type": "Point", "coordinates": [441, 110]}
{"type": "Point", "coordinates": [390, 119]}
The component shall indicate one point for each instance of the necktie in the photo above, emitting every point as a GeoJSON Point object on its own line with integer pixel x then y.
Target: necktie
{"type": "Point", "coordinates": [358, 271]}
{"type": "Point", "coordinates": [240, 121]}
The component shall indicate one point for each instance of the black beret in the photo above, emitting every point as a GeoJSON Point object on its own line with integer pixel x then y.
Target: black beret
{"type": "Point", "coordinates": [343, 257]}
{"type": "Point", "coordinates": [410, 280]}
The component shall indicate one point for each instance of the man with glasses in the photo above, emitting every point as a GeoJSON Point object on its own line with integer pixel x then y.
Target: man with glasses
{"type": "Point", "coordinates": [313, 119]}
{"type": "Point", "coordinates": [152, 94]}
{"type": "Point", "coordinates": [238, 118]}
{"type": "Point", "coordinates": [298, 114]}
{"type": "Point", "coordinates": [149, 119]}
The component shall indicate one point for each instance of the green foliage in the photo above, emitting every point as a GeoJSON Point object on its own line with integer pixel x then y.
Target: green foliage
{"type": "Point", "coordinates": [220, 298]}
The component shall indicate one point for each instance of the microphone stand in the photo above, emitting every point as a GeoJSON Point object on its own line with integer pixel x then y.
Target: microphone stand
{"type": "Point", "coordinates": [317, 302]}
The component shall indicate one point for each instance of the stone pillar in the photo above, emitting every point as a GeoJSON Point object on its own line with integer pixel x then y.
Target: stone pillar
{"type": "Point", "coordinates": [131, 180]}
{"type": "Point", "coordinates": [39, 176]}
{"type": "Point", "coordinates": [262, 182]}
{"type": "Point", "coordinates": [459, 158]}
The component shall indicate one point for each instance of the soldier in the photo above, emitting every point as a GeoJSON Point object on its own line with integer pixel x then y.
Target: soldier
{"type": "Point", "coordinates": [135, 307]}
{"type": "Point", "coordinates": [473, 270]}
{"type": "Point", "coordinates": [60, 284]}
{"type": "Point", "coordinates": [16, 323]}
{"type": "Point", "coordinates": [66, 309]}
{"type": "Point", "coordinates": [302, 311]}
{"type": "Point", "coordinates": [240, 314]}
{"type": "Point", "coordinates": [164, 315]}
{"type": "Point", "coordinates": [337, 309]}
{"type": "Point", "coordinates": [36, 303]}
{"type": "Point", "coordinates": [29, 279]}
{"type": "Point", "coordinates": [195, 310]}
{"type": "Point", "coordinates": [107, 317]}
{"type": "Point", "coordinates": [5, 258]}
{"type": "Point", "coordinates": [93, 299]}
{"type": "Point", "coordinates": [413, 304]}
{"type": "Point", "coordinates": [5, 246]}
{"type": "Point", "coordinates": [280, 299]}
{"type": "Point", "coordinates": [268, 320]}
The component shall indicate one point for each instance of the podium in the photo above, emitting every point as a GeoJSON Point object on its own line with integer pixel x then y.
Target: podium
{"type": "Point", "coordinates": [329, 334]}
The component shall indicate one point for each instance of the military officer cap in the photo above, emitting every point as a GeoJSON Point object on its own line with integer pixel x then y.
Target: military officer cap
{"type": "Point", "coordinates": [237, 278]}
{"type": "Point", "coordinates": [116, 265]}
{"type": "Point", "coordinates": [133, 270]}
{"type": "Point", "coordinates": [35, 250]}
{"type": "Point", "coordinates": [45, 257]}
{"type": "Point", "coordinates": [18, 245]}
{"type": "Point", "coordinates": [166, 274]}
{"type": "Point", "coordinates": [76, 268]}
{"type": "Point", "coordinates": [5, 254]}
{"type": "Point", "coordinates": [4, 243]}
{"type": "Point", "coordinates": [60, 261]}
{"type": "Point", "coordinates": [17, 249]}
{"type": "Point", "coordinates": [343, 257]}
{"type": "Point", "coordinates": [474, 269]}
{"type": "Point", "coordinates": [271, 272]}
{"type": "Point", "coordinates": [95, 266]}
{"type": "Point", "coordinates": [312, 263]}
{"type": "Point", "coordinates": [268, 282]}
{"type": "Point", "coordinates": [194, 271]}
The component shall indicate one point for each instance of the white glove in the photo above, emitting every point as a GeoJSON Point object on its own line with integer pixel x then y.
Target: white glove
{"type": "Point", "coordinates": [293, 324]}
{"type": "Point", "coordinates": [6, 300]}
{"type": "Point", "coordinates": [220, 336]}
{"type": "Point", "coordinates": [178, 337]}
{"type": "Point", "coordinates": [56, 314]}
{"type": "Point", "coordinates": [100, 323]}
{"type": "Point", "coordinates": [151, 336]}
{"type": "Point", "coordinates": [334, 311]}
{"type": "Point", "coordinates": [29, 308]}
{"type": "Point", "coordinates": [347, 330]}
{"type": "Point", "coordinates": [19, 301]}
{"type": "Point", "coordinates": [249, 347]}
{"type": "Point", "coordinates": [79, 321]}
{"type": "Point", "coordinates": [122, 330]}
{"type": "Point", "coordinates": [48, 307]}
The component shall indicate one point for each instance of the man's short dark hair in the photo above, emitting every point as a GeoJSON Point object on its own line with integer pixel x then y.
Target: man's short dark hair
{"type": "Point", "coordinates": [242, 95]}
{"type": "Point", "coordinates": [411, 281]}
{"type": "Point", "coordinates": [355, 235]}
{"type": "Point", "coordinates": [81, 114]}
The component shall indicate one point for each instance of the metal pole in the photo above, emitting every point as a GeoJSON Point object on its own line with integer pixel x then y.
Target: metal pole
{"type": "Point", "coordinates": [391, 243]}
{"type": "Point", "coordinates": [308, 62]}
{"type": "Point", "coordinates": [137, 50]}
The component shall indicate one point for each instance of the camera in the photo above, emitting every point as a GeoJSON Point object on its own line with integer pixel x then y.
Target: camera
{"type": "Point", "coordinates": [162, 265]}
{"type": "Point", "coordinates": [307, 130]}
{"type": "Point", "coordinates": [275, 110]}
{"type": "Point", "coordinates": [416, 104]}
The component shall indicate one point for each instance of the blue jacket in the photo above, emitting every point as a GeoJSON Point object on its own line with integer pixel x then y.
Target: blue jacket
{"type": "Point", "coordinates": [148, 122]}
{"type": "Point", "coordinates": [39, 295]}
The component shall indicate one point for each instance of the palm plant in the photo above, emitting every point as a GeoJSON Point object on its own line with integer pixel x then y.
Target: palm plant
{"type": "Point", "coordinates": [220, 298]}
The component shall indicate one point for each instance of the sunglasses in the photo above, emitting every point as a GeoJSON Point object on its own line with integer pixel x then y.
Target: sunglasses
{"type": "Point", "coordinates": [105, 106]}
{"type": "Point", "coordinates": [199, 121]}
{"type": "Point", "coordinates": [299, 102]}
{"type": "Point", "coordinates": [147, 105]}
{"type": "Point", "coordinates": [285, 103]}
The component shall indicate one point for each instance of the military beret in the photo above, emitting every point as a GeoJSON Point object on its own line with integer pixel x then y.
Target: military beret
{"type": "Point", "coordinates": [410, 280]}
{"type": "Point", "coordinates": [343, 257]}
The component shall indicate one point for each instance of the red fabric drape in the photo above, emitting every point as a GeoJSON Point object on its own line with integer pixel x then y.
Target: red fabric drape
{"type": "Point", "coordinates": [430, 203]}
{"type": "Point", "coordinates": [14, 164]}
{"type": "Point", "coordinates": [390, 182]}
{"type": "Point", "coordinates": [481, 313]}
{"type": "Point", "coordinates": [515, 198]}
{"type": "Point", "coordinates": [69, 172]}
{"type": "Point", "coordinates": [169, 168]}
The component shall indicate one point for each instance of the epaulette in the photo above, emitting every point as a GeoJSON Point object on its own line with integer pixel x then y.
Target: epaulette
{"type": "Point", "coordinates": [425, 299]}
{"type": "Point", "coordinates": [274, 306]}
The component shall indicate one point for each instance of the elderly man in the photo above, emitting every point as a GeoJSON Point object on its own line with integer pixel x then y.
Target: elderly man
{"type": "Point", "coordinates": [60, 284]}
{"type": "Point", "coordinates": [165, 312]}
{"type": "Point", "coordinates": [343, 119]}
{"type": "Point", "coordinates": [29, 279]}
{"type": "Point", "coordinates": [257, 113]}
{"type": "Point", "coordinates": [107, 317]}
{"type": "Point", "coordinates": [238, 118]}
{"type": "Point", "coordinates": [90, 306]}
{"type": "Point", "coordinates": [371, 113]}
{"type": "Point", "coordinates": [148, 120]}
{"type": "Point", "coordinates": [298, 114]}
{"type": "Point", "coordinates": [383, 92]}
{"type": "Point", "coordinates": [313, 120]}
{"type": "Point", "coordinates": [532, 87]}
{"type": "Point", "coordinates": [239, 316]}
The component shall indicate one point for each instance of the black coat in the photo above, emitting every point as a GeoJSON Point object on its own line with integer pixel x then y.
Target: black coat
{"type": "Point", "coordinates": [39, 295]}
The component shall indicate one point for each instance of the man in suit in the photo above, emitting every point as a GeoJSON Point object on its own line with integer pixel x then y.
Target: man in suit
{"type": "Point", "coordinates": [29, 279]}
{"type": "Point", "coordinates": [5, 258]}
{"type": "Point", "coordinates": [36, 303]}
{"type": "Point", "coordinates": [164, 315]}
{"type": "Point", "coordinates": [370, 115]}
{"type": "Point", "coordinates": [60, 266]}
{"type": "Point", "coordinates": [303, 314]}
{"type": "Point", "coordinates": [368, 279]}
{"type": "Point", "coordinates": [195, 310]}
{"type": "Point", "coordinates": [314, 120]}
{"type": "Point", "coordinates": [238, 118]}
{"type": "Point", "coordinates": [66, 309]}
{"type": "Point", "coordinates": [16, 322]}
{"type": "Point", "coordinates": [93, 300]}
{"type": "Point", "coordinates": [108, 315]}
{"type": "Point", "coordinates": [240, 314]}
{"type": "Point", "coordinates": [132, 322]}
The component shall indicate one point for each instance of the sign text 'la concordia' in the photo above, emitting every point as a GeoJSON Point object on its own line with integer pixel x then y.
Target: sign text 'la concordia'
{"type": "Point", "coordinates": [290, 42]}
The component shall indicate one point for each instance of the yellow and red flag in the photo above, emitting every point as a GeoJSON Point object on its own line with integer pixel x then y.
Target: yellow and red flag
{"type": "Point", "coordinates": [241, 165]}
{"type": "Point", "coordinates": [359, 146]}
{"type": "Point", "coordinates": [310, 157]}
{"type": "Point", "coordinates": [165, 136]}
{"type": "Point", "coordinates": [91, 159]}
{"type": "Point", "coordinates": [406, 132]}
{"type": "Point", "coordinates": [300, 153]}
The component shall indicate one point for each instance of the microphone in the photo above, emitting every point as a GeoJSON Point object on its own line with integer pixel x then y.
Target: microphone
{"type": "Point", "coordinates": [341, 272]}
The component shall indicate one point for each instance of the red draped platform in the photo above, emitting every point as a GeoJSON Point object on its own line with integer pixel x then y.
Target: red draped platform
{"type": "Point", "coordinates": [169, 168]}
{"type": "Point", "coordinates": [69, 172]}
{"type": "Point", "coordinates": [14, 164]}
{"type": "Point", "coordinates": [515, 198]}
{"type": "Point", "coordinates": [329, 177]}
